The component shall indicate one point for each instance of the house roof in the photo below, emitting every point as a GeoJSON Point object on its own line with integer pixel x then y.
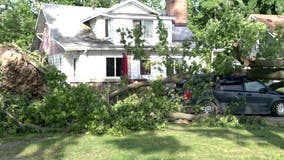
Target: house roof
{"type": "Point", "coordinates": [270, 20]}
{"type": "Point", "coordinates": [68, 31]}
{"type": "Point", "coordinates": [181, 33]}
{"type": "Point", "coordinates": [109, 12]}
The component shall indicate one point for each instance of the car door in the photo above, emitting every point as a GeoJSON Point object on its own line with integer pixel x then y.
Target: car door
{"type": "Point", "coordinates": [257, 102]}
{"type": "Point", "coordinates": [229, 93]}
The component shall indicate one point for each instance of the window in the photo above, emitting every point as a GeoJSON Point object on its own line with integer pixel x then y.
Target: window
{"type": "Point", "coordinates": [253, 86]}
{"type": "Point", "coordinates": [147, 27]}
{"type": "Point", "coordinates": [75, 61]}
{"type": "Point", "coordinates": [145, 67]}
{"type": "Point", "coordinates": [113, 67]}
{"type": "Point", "coordinates": [231, 87]}
{"type": "Point", "coordinates": [106, 28]}
{"type": "Point", "coordinates": [175, 66]}
{"type": "Point", "coordinates": [136, 23]}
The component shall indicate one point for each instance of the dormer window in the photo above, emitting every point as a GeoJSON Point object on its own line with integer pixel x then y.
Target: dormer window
{"type": "Point", "coordinates": [147, 27]}
{"type": "Point", "coordinates": [107, 28]}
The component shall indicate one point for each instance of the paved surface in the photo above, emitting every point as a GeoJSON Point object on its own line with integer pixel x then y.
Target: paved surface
{"type": "Point", "coordinates": [276, 120]}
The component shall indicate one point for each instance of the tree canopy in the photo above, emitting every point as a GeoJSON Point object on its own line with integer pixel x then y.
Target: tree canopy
{"type": "Point", "coordinates": [223, 24]}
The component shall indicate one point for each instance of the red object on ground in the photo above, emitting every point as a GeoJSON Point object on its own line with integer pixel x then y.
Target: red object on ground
{"type": "Point", "coordinates": [187, 94]}
{"type": "Point", "coordinates": [124, 65]}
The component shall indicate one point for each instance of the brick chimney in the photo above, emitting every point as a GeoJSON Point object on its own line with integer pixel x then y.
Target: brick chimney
{"type": "Point", "coordinates": [178, 9]}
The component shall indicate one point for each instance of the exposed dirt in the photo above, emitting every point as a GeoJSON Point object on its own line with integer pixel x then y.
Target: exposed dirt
{"type": "Point", "coordinates": [20, 74]}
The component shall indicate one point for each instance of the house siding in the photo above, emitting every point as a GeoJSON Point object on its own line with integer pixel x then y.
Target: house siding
{"type": "Point", "coordinates": [91, 66]}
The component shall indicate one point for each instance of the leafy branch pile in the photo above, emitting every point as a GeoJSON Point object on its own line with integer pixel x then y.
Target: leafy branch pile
{"type": "Point", "coordinates": [82, 109]}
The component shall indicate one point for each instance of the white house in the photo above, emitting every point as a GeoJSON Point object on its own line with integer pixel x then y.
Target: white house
{"type": "Point", "coordinates": [83, 42]}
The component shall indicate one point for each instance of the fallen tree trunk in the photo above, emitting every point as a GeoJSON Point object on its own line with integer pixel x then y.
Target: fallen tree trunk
{"type": "Point", "coordinates": [267, 63]}
{"type": "Point", "coordinates": [264, 73]}
{"type": "Point", "coordinates": [173, 79]}
{"type": "Point", "coordinates": [179, 115]}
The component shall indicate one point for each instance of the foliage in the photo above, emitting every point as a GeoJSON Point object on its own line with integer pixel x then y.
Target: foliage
{"type": "Point", "coordinates": [68, 2]}
{"type": "Point", "coordinates": [17, 22]}
{"type": "Point", "coordinates": [222, 24]}
{"type": "Point", "coordinates": [104, 3]}
{"type": "Point", "coordinates": [232, 121]}
{"type": "Point", "coordinates": [76, 108]}
{"type": "Point", "coordinates": [233, 33]}
{"type": "Point", "coordinates": [146, 109]}
{"type": "Point", "coordinates": [133, 42]}
{"type": "Point", "coordinates": [281, 90]}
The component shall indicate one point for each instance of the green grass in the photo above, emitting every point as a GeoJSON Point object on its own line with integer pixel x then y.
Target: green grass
{"type": "Point", "coordinates": [281, 90]}
{"type": "Point", "coordinates": [175, 142]}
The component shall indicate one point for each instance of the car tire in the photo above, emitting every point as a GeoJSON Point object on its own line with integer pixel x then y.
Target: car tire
{"type": "Point", "coordinates": [278, 108]}
{"type": "Point", "coordinates": [209, 108]}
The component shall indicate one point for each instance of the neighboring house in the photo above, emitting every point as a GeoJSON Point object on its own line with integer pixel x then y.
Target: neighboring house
{"type": "Point", "coordinates": [271, 22]}
{"type": "Point", "coordinates": [83, 42]}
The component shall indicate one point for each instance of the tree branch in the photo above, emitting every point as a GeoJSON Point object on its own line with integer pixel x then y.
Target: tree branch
{"type": "Point", "coordinates": [173, 79]}
{"type": "Point", "coordinates": [23, 125]}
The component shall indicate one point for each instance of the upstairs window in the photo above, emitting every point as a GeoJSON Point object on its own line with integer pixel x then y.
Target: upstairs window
{"type": "Point", "coordinates": [145, 67]}
{"type": "Point", "coordinates": [113, 67]}
{"type": "Point", "coordinates": [107, 27]}
{"type": "Point", "coordinates": [147, 26]}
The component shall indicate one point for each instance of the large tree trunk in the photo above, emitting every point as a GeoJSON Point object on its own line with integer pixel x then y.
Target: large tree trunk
{"type": "Point", "coordinates": [267, 63]}
{"type": "Point", "coordinates": [264, 69]}
{"type": "Point", "coordinates": [173, 79]}
{"type": "Point", "coordinates": [264, 73]}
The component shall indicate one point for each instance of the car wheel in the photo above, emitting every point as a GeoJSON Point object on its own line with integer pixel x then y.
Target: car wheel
{"type": "Point", "coordinates": [278, 108]}
{"type": "Point", "coordinates": [209, 108]}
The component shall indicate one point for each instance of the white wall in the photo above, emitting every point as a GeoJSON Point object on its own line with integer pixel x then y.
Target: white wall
{"type": "Point", "coordinates": [91, 66]}
{"type": "Point", "coordinates": [98, 28]}
{"type": "Point", "coordinates": [128, 23]}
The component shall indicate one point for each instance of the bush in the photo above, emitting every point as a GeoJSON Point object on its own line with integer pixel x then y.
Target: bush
{"type": "Point", "coordinates": [78, 108]}
{"type": "Point", "coordinates": [82, 109]}
{"type": "Point", "coordinates": [146, 109]}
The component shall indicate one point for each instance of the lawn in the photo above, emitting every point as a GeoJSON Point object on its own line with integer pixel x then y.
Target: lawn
{"type": "Point", "coordinates": [175, 142]}
{"type": "Point", "coordinates": [281, 89]}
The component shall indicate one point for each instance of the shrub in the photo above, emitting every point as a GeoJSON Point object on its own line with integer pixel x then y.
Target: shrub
{"type": "Point", "coordinates": [143, 110]}
{"type": "Point", "coordinates": [78, 108]}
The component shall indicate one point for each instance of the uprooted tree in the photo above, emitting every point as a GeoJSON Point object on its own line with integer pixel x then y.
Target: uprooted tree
{"type": "Point", "coordinates": [59, 106]}
{"type": "Point", "coordinates": [20, 73]}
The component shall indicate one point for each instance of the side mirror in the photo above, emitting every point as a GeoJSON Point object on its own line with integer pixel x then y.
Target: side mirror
{"type": "Point", "coordinates": [263, 90]}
